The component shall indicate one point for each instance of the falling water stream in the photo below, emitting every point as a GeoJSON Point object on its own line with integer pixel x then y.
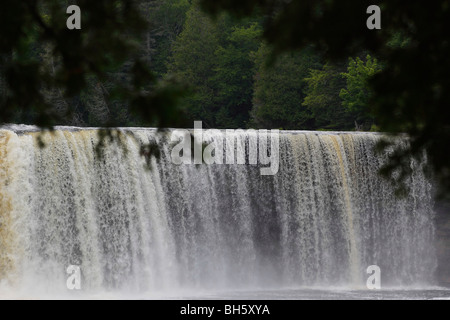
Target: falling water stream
{"type": "Point", "coordinates": [320, 221]}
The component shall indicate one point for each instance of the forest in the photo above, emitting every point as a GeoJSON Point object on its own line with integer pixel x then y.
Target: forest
{"type": "Point", "coordinates": [227, 75]}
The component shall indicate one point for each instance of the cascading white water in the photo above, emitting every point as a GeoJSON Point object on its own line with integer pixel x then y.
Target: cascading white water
{"type": "Point", "coordinates": [320, 221]}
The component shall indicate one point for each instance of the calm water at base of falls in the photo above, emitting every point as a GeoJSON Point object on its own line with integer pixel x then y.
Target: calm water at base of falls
{"type": "Point", "coordinates": [437, 293]}
{"type": "Point", "coordinates": [323, 294]}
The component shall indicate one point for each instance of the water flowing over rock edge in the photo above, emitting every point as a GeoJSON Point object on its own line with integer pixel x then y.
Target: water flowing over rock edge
{"type": "Point", "coordinates": [320, 221]}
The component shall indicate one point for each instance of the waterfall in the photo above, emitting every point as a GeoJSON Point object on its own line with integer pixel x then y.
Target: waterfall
{"type": "Point", "coordinates": [321, 220]}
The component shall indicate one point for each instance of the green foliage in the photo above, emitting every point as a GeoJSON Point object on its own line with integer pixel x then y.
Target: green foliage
{"type": "Point", "coordinates": [193, 61]}
{"type": "Point", "coordinates": [223, 61]}
{"type": "Point", "coordinates": [356, 95]}
{"type": "Point", "coordinates": [337, 28]}
{"type": "Point", "coordinates": [234, 75]}
{"type": "Point", "coordinates": [214, 57]}
{"type": "Point", "coordinates": [166, 18]}
{"type": "Point", "coordinates": [322, 98]}
{"type": "Point", "coordinates": [280, 90]}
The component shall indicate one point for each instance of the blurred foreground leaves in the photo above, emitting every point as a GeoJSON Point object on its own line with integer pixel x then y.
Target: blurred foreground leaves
{"type": "Point", "coordinates": [45, 66]}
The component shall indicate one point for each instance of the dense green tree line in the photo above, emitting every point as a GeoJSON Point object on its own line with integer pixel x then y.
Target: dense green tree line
{"type": "Point", "coordinates": [238, 84]}
{"type": "Point", "coordinates": [229, 76]}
